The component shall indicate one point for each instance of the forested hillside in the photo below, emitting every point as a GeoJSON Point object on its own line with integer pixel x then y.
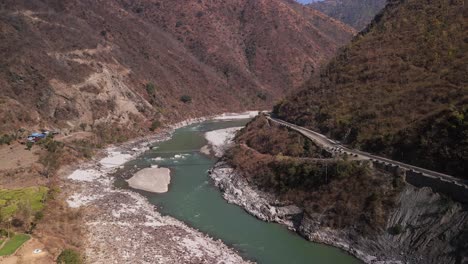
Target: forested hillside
{"type": "Point", "coordinates": [399, 89]}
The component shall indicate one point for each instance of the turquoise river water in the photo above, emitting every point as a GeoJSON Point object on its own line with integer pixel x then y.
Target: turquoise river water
{"type": "Point", "coordinates": [194, 199]}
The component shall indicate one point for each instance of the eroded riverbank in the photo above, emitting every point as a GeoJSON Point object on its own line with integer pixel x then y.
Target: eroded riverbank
{"type": "Point", "coordinates": [264, 206]}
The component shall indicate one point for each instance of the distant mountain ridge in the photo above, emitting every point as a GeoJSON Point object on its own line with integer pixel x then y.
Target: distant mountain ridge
{"type": "Point", "coordinates": [400, 89]}
{"type": "Point", "coordinates": [78, 63]}
{"type": "Point", "coordinates": [356, 13]}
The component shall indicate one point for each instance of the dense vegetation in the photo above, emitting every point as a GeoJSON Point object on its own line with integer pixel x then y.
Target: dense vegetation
{"type": "Point", "coordinates": [356, 13]}
{"type": "Point", "coordinates": [399, 89]}
{"type": "Point", "coordinates": [69, 256]}
{"type": "Point", "coordinates": [278, 161]}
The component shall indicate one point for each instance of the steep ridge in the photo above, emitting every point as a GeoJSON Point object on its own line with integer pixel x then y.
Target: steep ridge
{"type": "Point", "coordinates": [398, 90]}
{"type": "Point", "coordinates": [278, 175]}
{"type": "Point", "coordinates": [79, 63]}
{"type": "Point", "coordinates": [356, 13]}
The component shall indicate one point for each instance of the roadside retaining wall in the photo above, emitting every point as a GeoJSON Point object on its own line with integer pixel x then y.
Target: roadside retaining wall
{"type": "Point", "coordinates": [452, 189]}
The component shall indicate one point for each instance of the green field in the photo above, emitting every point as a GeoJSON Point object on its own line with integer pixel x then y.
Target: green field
{"type": "Point", "coordinates": [13, 244]}
{"type": "Point", "coordinates": [10, 199]}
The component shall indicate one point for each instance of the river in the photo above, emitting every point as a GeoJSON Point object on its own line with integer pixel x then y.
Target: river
{"type": "Point", "coordinates": [193, 198]}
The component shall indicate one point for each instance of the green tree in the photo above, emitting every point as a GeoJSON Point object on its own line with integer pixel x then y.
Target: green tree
{"type": "Point", "coordinates": [186, 99]}
{"type": "Point", "coordinates": [155, 124]}
{"type": "Point", "coordinates": [69, 256]}
{"type": "Point", "coordinates": [150, 89]}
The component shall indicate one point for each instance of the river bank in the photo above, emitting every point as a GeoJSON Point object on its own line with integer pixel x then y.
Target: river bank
{"type": "Point", "coordinates": [425, 227]}
{"type": "Point", "coordinates": [193, 199]}
{"type": "Point", "coordinates": [122, 226]}
{"type": "Point", "coordinates": [265, 206]}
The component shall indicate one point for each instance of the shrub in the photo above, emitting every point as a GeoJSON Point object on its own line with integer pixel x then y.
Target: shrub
{"type": "Point", "coordinates": [186, 99]}
{"type": "Point", "coordinates": [38, 216]}
{"type": "Point", "coordinates": [51, 162]}
{"type": "Point", "coordinates": [53, 192]}
{"type": "Point", "coordinates": [150, 89]}
{"type": "Point", "coordinates": [69, 256]}
{"type": "Point", "coordinates": [51, 145]}
{"type": "Point", "coordinates": [6, 139]}
{"type": "Point", "coordinates": [29, 145]}
{"type": "Point", "coordinates": [16, 222]}
{"type": "Point", "coordinates": [396, 229]}
{"type": "Point", "coordinates": [262, 96]}
{"type": "Point", "coordinates": [155, 124]}
{"type": "Point", "coordinates": [139, 10]}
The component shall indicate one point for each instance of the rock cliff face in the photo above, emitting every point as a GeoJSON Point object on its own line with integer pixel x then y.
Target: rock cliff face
{"type": "Point", "coordinates": [425, 227]}
{"type": "Point", "coordinates": [260, 204]}
{"type": "Point", "coordinates": [67, 63]}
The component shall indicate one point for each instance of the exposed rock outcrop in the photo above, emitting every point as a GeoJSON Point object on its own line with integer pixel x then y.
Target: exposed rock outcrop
{"type": "Point", "coordinates": [424, 228]}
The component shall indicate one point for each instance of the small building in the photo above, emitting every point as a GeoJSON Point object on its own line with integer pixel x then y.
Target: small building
{"type": "Point", "coordinates": [34, 137]}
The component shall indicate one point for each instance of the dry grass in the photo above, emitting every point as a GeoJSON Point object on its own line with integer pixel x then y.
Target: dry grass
{"type": "Point", "coordinates": [395, 89]}
{"type": "Point", "coordinates": [337, 192]}
{"type": "Point", "coordinates": [258, 135]}
{"type": "Point", "coordinates": [61, 227]}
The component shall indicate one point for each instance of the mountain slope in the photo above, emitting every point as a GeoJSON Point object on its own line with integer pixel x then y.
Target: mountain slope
{"type": "Point", "coordinates": [399, 89]}
{"type": "Point", "coordinates": [356, 13]}
{"type": "Point", "coordinates": [70, 64]}
{"type": "Point", "coordinates": [368, 211]}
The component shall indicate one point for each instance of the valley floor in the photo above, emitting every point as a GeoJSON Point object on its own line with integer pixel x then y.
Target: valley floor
{"type": "Point", "coordinates": [122, 226]}
{"type": "Point", "coordinates": [106, 224]}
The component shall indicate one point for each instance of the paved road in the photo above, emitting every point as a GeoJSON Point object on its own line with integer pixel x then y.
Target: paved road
{"type": "Point", "coordinates": [335, 146]}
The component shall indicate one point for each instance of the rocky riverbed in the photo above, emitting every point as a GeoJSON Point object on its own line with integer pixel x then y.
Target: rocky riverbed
{"type": "Point", "coordinates": [123, 227]}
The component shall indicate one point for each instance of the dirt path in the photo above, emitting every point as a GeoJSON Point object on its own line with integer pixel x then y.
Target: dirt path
{"type": "Point", "coordinates": [74, 136]}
